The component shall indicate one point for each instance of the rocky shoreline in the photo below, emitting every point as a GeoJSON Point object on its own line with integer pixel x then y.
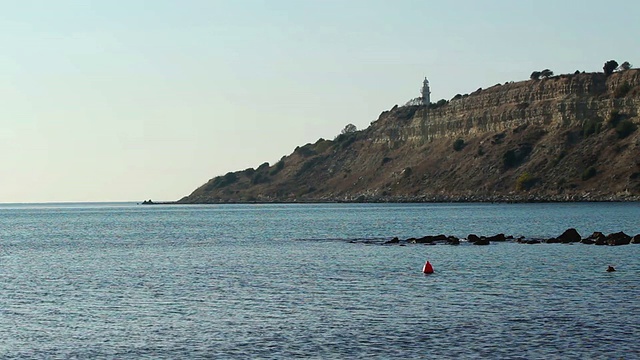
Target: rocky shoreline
{"type": "Point", "coordinates": [570, 236]}
{"type": "Point", "coordinates": [502, 198]}
{"type": "Point", "coordinates": [505, 199]}
{"type": "Point", "coordinates": [429, 198]}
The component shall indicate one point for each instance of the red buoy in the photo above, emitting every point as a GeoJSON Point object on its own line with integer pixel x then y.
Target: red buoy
{"type": "Point", "coordinates": [427, 269]}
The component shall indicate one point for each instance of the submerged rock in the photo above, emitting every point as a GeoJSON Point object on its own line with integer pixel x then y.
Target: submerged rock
{"type": "Point", "coordinates": [473, 238]}
{"type": "Point", "coordinates": [430, 239]}
{"type": "Point", "coordinates": [598, 238]}
{"type": "Point", "coordinates": [498, 237]}
{"type": "Point", "coordinates": [395, 240]}
{"type": "Point", "coordinates": [452, 240]}
{"type": "Point", "coordinates": [482, 241]}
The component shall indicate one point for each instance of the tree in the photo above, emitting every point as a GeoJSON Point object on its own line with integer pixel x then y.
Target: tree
{"type": "Point", "coordinates": [350, 128]}
{"type": "Point", "coordinates": [535, 75]}
{"type": "Point", "coordinates": [458, 144]}
{"type": "Point", "coordinates": [609, 67]}
{"type": "Point", "coordinates": [625, 66]}
{"type": "Point", "coordinates": [546, 73]}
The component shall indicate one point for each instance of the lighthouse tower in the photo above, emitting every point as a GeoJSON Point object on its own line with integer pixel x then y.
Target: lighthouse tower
{"type": "Point", "coordinates": [426, 92]}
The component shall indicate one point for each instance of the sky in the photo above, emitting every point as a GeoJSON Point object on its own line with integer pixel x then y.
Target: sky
{"type": "Point", "coordinates": [127, 100]}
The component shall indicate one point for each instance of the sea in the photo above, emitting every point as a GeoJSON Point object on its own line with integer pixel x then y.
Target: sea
{"type": "Point", "coordinates": [314, 281]}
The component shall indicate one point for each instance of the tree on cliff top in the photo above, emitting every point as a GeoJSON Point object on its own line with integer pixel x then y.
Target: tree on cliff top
{"type": "Point", "coordinates": [350, 128]}
{"type": "Point", "coordinates": [609, 67]}
{"type": "Point", "coordinates": [536, 75]}
{"type": "Point", "coordinates": [625, 66]}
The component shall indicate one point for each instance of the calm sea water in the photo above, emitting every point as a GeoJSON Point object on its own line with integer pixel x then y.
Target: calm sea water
{"type": "Point", "coordinates": [288, 281]}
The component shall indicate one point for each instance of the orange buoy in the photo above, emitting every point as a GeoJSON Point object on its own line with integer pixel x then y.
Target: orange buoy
{"type": "Point", "coordinates": [427, 269]}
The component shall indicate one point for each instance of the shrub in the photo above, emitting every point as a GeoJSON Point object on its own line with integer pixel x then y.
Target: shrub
{"type": "Point", "coordinates": [535, 75]}
{"type": "Point", "coordinates": [497, 138]}
{"type": "Point", "coordinates": [277, 168]}
{"type": "Point", "coordinates": [509, 158]}
{"type": "Point", "coordinates": [589, 173]}
{"type": "Point", "coordinates": [259, 178]}
{"type": "Point", "coordinates": [348, 141]}
{"type": "Point", "coordinates": [622, 90]}
{"type": "Point", "coordinates": [625, 128]}
{"type": "Point", "coordinates": [345, 140]}
{"type": "Point", "coordinates": [514, 157]}
{"type": "Point", "coordinates": [264, 166]}
{"type": "Point", "coordinates": [305, 151]}
{"type": "Point", "coordinates": [221, 181]}
{"type": "Point", "coordinates": [440, 103]}
{"type": "Point", "coordinates": [309, 164]}
{"type": "Point", "coordinates": [525, 181]}
{"type": "Point", "coordinates": [230, 178]}
{"type": "Point", "coordinates": [322, 145]}
{"type": "Point", "coordinates": [458, 144]}
{"type": "Point", "coordinates": [591, 127]}
{"type": "Point", "coordinates": [614, 118]}
{"type": "Point", "coordinates": [249, 172]}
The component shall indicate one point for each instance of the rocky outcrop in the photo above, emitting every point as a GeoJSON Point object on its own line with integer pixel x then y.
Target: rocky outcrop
{"type": "Point", "coordinates": [570, 236]}
{"type": "Point", "coordinates": [567, 138]}
{"type": "Point", "coordinates": [596, 238]}
{"type": "Point", "coordinates": [619, 238]}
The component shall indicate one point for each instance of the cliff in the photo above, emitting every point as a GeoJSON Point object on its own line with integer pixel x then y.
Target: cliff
{"type": "Point", "coordinates": [566, 138]}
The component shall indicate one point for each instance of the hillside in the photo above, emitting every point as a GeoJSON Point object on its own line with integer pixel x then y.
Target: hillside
{"type": "Point", "coordinates": [565, 138]}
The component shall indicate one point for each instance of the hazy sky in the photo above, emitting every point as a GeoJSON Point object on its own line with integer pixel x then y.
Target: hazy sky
{"type": "Point", "coordinates": [126, 100]}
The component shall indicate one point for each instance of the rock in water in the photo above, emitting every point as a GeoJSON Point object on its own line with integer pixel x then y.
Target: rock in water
{"type": "Point", "coordinates": [570, 236]}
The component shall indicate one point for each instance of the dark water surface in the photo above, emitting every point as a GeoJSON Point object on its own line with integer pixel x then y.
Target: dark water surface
{"type": "Point", "coordinates": [285, 281]}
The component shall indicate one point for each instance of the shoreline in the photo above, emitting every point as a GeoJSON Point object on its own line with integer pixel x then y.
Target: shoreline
{"type": "Point", "coordinates": [499, 199]}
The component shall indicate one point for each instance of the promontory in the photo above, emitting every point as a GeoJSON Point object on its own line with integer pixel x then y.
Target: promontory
{"type": "Point", "coordinates": [552, 138]}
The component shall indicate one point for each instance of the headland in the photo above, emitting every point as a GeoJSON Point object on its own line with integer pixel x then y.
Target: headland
{"type": "Point", "coordinates": [569, 137]}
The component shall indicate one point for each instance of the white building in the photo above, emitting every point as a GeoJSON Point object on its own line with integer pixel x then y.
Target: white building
{"type": "Point", "coordinates": [426, 92]}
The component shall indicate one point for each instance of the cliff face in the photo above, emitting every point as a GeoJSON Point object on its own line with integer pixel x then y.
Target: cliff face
{"type": "Point", "coordinates": [563, 101]}
{"type": "Point", "coordinates": [570, 137]}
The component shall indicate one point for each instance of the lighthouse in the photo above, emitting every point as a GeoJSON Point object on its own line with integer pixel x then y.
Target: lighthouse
{"type": "Point", "coordinates": [426, 92]}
